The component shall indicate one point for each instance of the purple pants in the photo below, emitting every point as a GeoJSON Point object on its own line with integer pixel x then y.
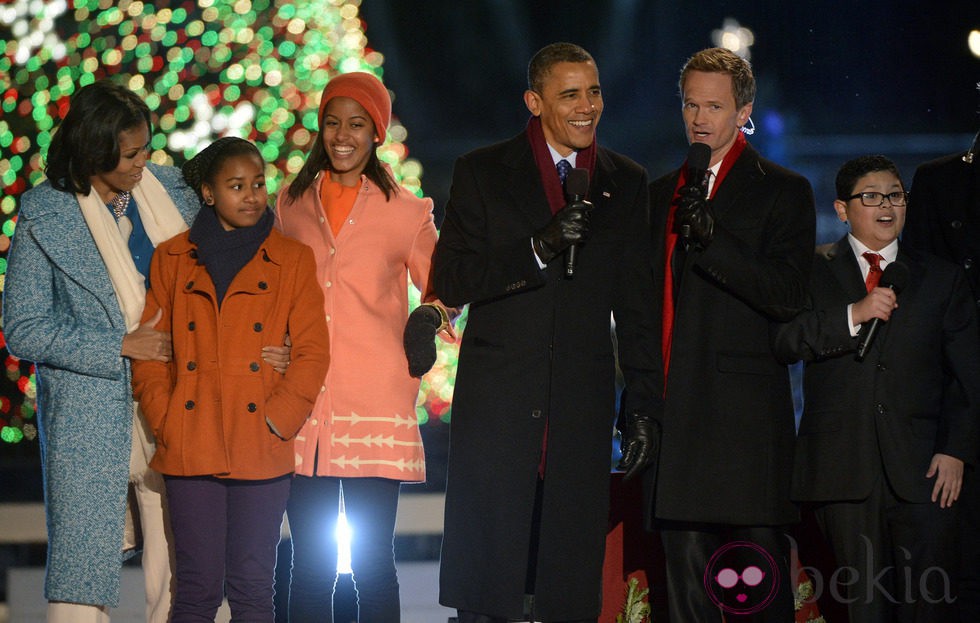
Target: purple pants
{"type": "Point", "coordinates": [225, 537]}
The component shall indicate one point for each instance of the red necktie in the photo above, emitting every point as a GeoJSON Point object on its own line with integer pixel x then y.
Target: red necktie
{"type": "Point", "coordinates": [874, 271]}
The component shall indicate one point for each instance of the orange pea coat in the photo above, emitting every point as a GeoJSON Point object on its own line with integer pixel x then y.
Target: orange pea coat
{"type": "Point", "coordinates": [217, 408]}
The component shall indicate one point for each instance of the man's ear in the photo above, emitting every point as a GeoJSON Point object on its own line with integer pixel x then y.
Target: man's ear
{"type": "Point", "coordinates": [841, 208]}
{"type": "Point", "coordinates": [533, 102]}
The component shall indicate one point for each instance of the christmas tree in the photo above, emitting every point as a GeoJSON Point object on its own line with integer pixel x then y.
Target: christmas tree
{"type": "Point", "coordinates": [206, 69]}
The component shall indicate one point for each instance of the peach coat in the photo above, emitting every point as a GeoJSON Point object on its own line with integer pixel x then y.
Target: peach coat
{"type": "Point", "coordinates": [364, 424]}
{"type": "Point", "coordinates": [217, 408]}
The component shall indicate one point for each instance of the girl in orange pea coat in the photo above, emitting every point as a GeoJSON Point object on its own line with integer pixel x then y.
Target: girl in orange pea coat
{"type": "Point", "coordinates": [224, 419]}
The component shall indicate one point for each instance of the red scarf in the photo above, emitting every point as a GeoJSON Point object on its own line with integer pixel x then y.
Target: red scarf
{"type": "Point", "coordinates": [671, 242]}
{"type": "Point", "coordinates": [556, 201]}
{"type": "Point", "coordinates": [546, 164]}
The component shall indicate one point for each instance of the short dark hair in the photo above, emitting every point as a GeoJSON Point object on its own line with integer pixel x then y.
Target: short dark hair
{"type": "Point", "coordinates": [202, 168]}
{"type": "Point", "coordinates": [853, 170]}
{"type": "Point", "coordinates": [723, 61]}
{"type": "Point", "coordinates": [549, 56]}
{"type": "Point", "coordinates": [86, 142]}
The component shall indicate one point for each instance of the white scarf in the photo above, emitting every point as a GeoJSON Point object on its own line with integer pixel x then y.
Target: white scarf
{"type": "Point", "coordinates": [161, 220]}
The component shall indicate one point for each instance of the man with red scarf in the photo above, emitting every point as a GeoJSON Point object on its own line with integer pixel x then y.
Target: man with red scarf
{"type": "Point", "coordinates": [732, 255]}
{"type": "Point", "coordinates": [527, 492]}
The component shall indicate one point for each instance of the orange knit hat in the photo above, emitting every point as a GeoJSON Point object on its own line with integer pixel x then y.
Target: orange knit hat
{"type": "Point", "coordinates": [366, 90]}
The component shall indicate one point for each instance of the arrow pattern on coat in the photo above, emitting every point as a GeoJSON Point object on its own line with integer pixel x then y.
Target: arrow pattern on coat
{"type": "Point", "coordinates": [357, 463]}
{"type": "Point", "coordinates": [369, 440]}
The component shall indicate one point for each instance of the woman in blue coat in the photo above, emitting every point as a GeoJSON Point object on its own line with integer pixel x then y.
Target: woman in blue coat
{"type": "Point", "coordinates": [73, 298]}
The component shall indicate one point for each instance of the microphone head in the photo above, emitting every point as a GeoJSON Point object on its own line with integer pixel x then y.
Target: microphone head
{"type": "Point", "coordinates": [577, 183]}
{"type": "Point", "coordinates": [698, 156]}
{"type": "Point", "coordinates": [895, 276]}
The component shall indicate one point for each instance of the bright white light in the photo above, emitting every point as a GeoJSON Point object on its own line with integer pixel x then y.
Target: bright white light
{"type": "Point", "coordinates": [734, 37]}
{"type": "Point", "coordinates": [343, 544]}
{"type": "Point", "coordinates": [974, 42]}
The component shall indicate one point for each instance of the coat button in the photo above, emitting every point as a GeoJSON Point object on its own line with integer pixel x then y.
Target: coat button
{"type": "Point", "coordinates": [192, 365]}
{"type": "Point", "coordinates": [190, 284]}
{"type": "Point", "coordinates": [263, 285]}
{"type": "Point", "coordinates": [968, 263]}
{"type": "Point", "coordinates": [193, 254]}
{"type": "Point", "coordinates": [536, 413]}
{"type": "Point", "coordinates": [265, 256]}
{"type": "Point", "coordinates": [882, 367]}
{"type": "Point", "coordinates": [254, 367]}
{"type": "Point", "coordinates": [251, 407]}
{"type": "Point", "coordinates": [956, 224]}
{"type": "Point", "coordinates": [257, 327]}
{"type": "Point", "coordinates": [880, 408]}
{"type": "Point", "coordinates": [189, 405]}
{"type": "Point", "coordinates": [191, 326]}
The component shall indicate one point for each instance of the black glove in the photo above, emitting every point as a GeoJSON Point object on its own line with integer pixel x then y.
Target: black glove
{"type": "Point", "coordinates": [694, 216]}
{"type": "Point", "coordinates": [570, 226]}
{"type": "Point", "coordinates": [419, 339]}
{"type": "Point", "coordinates": [639, 443]}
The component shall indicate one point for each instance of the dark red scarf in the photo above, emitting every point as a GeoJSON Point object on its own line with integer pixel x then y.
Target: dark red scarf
{"type": "Point", "coordinates": [546, 165]}
{"type": "Point", "coordinates": [671, 242]}
{"type": "Point", "coordinates": [556, 201]}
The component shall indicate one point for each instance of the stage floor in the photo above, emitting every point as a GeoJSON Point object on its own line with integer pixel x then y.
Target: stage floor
{"type": "Point", "coordinates": [419, 583]}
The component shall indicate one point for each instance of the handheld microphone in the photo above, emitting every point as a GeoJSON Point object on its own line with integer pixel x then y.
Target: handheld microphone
{"type": "Point", "coordinates": [896, 277]}
{"type": "Point", "coordinates": [576, 187]}
{"type": "Point", "coordinates": [698, 159]}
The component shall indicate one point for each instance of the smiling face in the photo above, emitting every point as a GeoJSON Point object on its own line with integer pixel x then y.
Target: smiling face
{"type": "Point", "coordinates": [710, 113]}
{"type": "Point", "coordinates": [348, 137]}
{"type": "Point", "coordinates": [237, 191]}
{"type": "Point", "coordinates": [875, 227]}
{"type": "Point", "coordinates": [133, 145]}
{"type": "Point", "coordinates": [569, 105]}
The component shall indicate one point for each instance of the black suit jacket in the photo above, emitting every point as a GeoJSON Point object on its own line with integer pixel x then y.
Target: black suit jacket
{"type": "Point", "coordinates": [537, 352]}
{"type": "Point", "coordinates": [915, 394]}
{"type": "Point", "coordinates": [728, 422]}
{"type": "Point", "coordinates": [943, 216]}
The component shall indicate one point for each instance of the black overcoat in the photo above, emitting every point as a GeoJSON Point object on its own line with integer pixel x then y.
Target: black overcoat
{"type": "Point", "coordinates": [728, 422]}
{"type": "Point", "coordinates": [537, 354]}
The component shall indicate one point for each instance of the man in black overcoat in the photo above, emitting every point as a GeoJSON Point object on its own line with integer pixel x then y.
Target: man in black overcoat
{"type": "Point", "coordinates": [530, 443]}
{"type": "Point", "coordinates": [725, 268]}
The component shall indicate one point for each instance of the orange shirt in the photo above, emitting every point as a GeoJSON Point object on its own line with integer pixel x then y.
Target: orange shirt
{"type": "Point", "coordinates": [337, 201]}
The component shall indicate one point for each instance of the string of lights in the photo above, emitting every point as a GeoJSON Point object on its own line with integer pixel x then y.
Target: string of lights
{"type": "Point", "coordinates": [206, 69]}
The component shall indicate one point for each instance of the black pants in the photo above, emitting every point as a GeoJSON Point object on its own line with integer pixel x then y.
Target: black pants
{"type": "Point", "coordinates": [740, 573]}
{"type": "Point", "coordinates": [897, 560]}
{"type": "Point", "coordinates": [370, 505]}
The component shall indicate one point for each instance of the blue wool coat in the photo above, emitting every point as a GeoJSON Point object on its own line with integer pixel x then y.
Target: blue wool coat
{"type": "Point", "coordinates": [60, 312]}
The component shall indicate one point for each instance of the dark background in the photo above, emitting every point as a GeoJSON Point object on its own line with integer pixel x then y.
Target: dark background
{"type": "Point", "coordinates": [836, 79]}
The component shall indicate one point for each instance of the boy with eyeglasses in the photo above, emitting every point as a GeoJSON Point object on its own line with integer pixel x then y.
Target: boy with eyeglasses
{"type": "Point", "coordinates": [884, 435]}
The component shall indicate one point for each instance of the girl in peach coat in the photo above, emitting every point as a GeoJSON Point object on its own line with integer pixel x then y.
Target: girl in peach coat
{"type": "Point", "coordinates": [362, 440]}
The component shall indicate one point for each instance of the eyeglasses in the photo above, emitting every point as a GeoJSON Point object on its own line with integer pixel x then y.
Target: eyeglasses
{"type": "Point", "coordinates": [876, 199]}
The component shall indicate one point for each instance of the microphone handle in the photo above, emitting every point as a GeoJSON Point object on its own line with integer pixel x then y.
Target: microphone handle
{"type": "Point", "coordinates": [570, 261]}
{"type": "Point", "coordinates": [865, 342]}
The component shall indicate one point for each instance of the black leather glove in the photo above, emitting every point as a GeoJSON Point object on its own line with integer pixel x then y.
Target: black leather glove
{"type": "Point", "coordinates": [570, 226]}
{"type": "Point", "coordinates": [419, 339]}
{"type": "Point", "coordinates": [694, 216]}
{"type": "Point", "coordinates": [639, 443]}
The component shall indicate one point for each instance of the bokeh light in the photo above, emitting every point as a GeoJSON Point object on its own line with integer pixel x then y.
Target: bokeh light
{"type": "Point", "coordinates": [206, 69]}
